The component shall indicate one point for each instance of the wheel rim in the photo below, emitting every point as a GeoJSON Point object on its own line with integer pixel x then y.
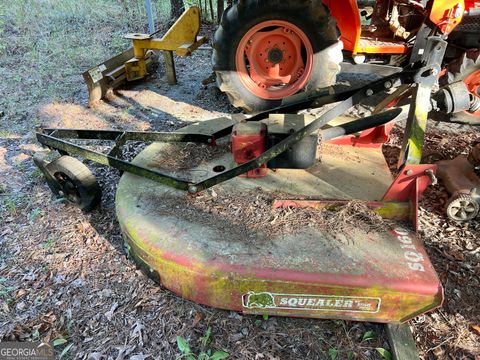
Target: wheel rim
{"type": "Point", "coordinates": [68, 189]}
{"type": "Point", "coordinates": [473, 84]}
{"type": "Point", "coordinates": [274, 59]}
{"type": "Point", "coordinates": [463, 209]}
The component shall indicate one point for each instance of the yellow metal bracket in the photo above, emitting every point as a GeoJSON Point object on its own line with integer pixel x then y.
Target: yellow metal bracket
{"type": "Point", "coordinates": [182, 38]}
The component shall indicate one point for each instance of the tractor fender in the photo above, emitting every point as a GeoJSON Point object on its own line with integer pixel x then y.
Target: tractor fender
{"type": "Point", "coordinates": [348, 21]}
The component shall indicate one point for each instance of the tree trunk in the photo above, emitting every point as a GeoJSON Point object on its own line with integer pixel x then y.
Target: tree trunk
{"type": "Point", "coordinates": [176, 9]}
{"type": "Point", "coordinates": [211, 11]}
{"type": "Point", "coordinates": [220, 8]}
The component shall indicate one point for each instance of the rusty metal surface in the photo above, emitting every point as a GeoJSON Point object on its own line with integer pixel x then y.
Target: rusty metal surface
{"type": "Point", "coordinates": [96, 77]}
{"type": "Point", "coordinates": [425, 79]}
{"type": "Point", "coordinates": [376, 276]}
{"type": "Point", "coordinates": [458, 175]}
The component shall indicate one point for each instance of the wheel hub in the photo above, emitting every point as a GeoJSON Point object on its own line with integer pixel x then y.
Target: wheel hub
{"type": "Point", "coordinates": [68, 189]}
{"type": "Point", "coordinates": [275, 56]}
{"type": "Point", "coordinates": [274, 59]}
{"type": "Point", "coordinates": [463, 208]}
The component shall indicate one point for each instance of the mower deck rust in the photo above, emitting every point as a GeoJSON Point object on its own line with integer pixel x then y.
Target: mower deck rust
{"type": "Point", "coordinates": [381, 275]}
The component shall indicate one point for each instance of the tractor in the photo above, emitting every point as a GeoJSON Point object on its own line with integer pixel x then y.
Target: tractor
{"type": "Point", "coordinates": [265, 51]}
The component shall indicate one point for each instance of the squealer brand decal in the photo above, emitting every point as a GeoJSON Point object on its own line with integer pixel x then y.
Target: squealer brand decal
{"type": "Point", "coordinates": [266, 300]}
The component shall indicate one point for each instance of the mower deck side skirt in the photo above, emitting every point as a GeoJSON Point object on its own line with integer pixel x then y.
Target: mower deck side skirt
{"type": "Point", "coordinates": [424, 285]}
{"type": "Point", "coordinates": [226, 287]}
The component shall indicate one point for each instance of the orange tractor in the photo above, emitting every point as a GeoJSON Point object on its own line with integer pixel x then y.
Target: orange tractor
{"type": "Point", "coordinates": [265, 51]}
{"type": "Point", "coordinates": [270, 50]}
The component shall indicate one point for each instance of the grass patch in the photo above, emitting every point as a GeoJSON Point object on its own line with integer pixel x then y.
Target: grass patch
{"type": "Point", "coordinates": [34, 214]}
{"type": "Point", "coordinates": [6, 134]}
{"type": "Point", "coordinates": [48, 244]}
{"type": "Point", "coordinates": [6, 292]}
{"type": "Point", "coordinates": [10, 204]}
{"type": "Point", "coordinates": [36, 174]}
{"type": "Point", "coordinates": [46, 45]}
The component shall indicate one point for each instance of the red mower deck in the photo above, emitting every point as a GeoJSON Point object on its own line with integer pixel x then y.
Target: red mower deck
{"type": "Point", "coordinates": [380, 276]}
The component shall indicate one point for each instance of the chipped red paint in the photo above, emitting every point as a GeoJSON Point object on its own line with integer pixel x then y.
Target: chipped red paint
{"type": "Point", "coordinates": [215, 283]}
{"type": "Point", "coordinates": [410, 185]}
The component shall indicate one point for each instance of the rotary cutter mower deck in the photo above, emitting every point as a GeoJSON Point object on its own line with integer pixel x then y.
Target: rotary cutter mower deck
{"type": "Point", "coordinates": [383, 275]}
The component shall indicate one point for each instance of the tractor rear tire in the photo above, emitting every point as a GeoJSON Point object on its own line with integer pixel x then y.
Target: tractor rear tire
{"type": "Point", "coordinates": [467, 69]}
{"type": "Point", "coordinates": [319, 50]}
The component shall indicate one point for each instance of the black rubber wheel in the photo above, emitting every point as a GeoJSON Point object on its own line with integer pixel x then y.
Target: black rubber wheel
{"type": "Point", "coordinates": [459, 70]}
{"type": "Point", "coordinates": [462, 207]}
{"type": "Point", "coordinates": [310, 16]}
{"type": "Point", "coordinates": [71, 179]}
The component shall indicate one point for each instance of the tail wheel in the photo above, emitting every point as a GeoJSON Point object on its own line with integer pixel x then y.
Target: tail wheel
{"type": "Point", "coordinates": [265, 51]}
{"type": "Point", "coordinates": [467, 69]}
{"type": "Point", "coordinates": [71, 179]}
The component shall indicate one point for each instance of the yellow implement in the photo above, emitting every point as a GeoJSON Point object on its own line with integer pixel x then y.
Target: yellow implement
{"type": "Point", "coordinates": [182, 38]}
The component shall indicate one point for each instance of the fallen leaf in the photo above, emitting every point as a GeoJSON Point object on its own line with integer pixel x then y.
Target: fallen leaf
{"type": "Point", "coordinates": [109, 313]}
{"type": "Point", "coordinates": [476, 328]}
{"type": "Point", "coordinates": [457, 255]}
{"type": "Point", "coordinates": [94, 356]}
{"type": "Point", "coordinates": [197, 319]}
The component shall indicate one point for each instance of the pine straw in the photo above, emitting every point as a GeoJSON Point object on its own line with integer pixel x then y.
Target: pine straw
{"type": "Point", "coordinates": [85, 289]}
{"type": "Point", "coordinates": [356, 214]}
{"type": "Point", "coordinates": [253, 211]}
{"type": "Point", "coordinates": [189, 155]}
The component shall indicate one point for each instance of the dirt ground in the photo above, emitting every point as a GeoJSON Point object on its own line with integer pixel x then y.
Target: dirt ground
{"type": "Point", "coordinates": [65, 276]}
